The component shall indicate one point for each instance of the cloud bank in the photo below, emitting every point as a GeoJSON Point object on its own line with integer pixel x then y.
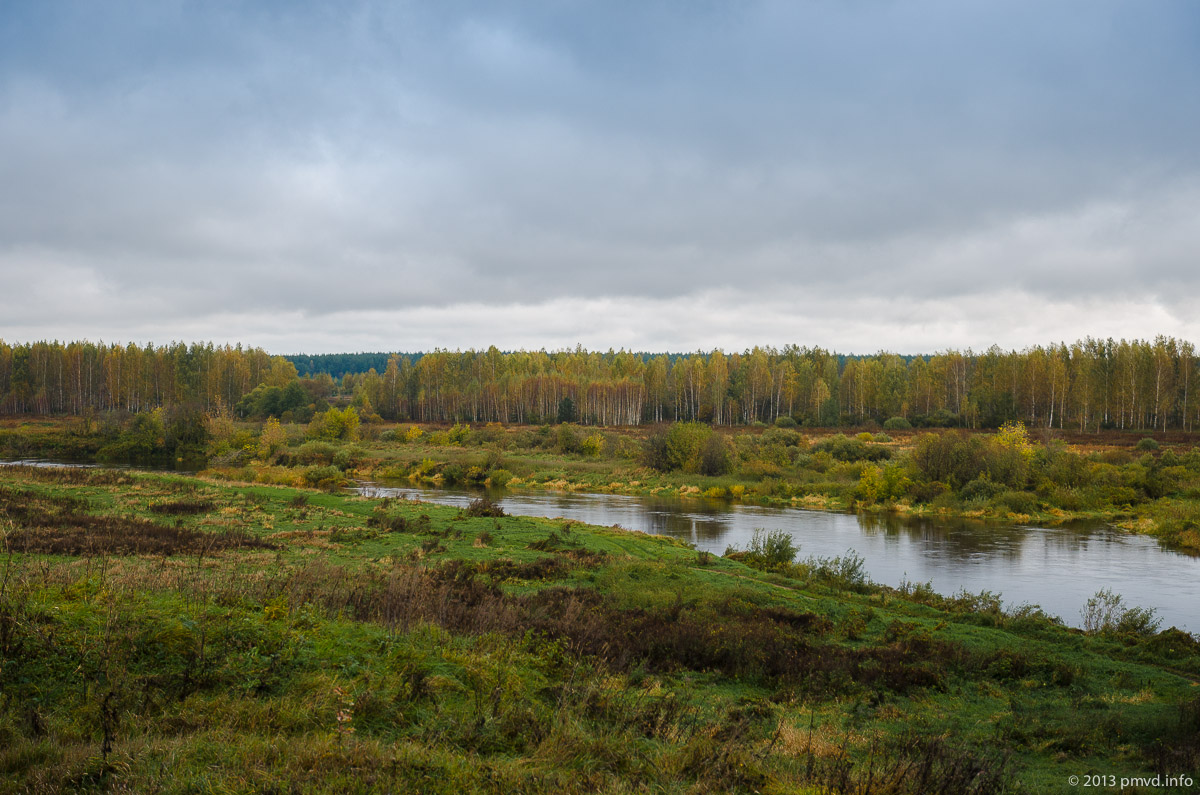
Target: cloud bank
{"type": "Point", "coordinates": [342, 176]}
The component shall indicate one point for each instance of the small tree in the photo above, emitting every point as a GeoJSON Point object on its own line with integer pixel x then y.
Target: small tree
{"type": "Point", "coordinates": [566, 410]}
{"type": "Point", "coordinates": [272, 439]}
{"type": "Point", "coordinates": [335, 424]}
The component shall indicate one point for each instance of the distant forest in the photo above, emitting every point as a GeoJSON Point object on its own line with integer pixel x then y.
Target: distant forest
{"type": "Point", "coordinates": [1088, 385]}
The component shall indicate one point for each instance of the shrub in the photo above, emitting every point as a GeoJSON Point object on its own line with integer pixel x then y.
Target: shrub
{"type": "Point", "coordinates": [758, 470]}
{"type": "Point", "coordinates": [881, 484]}
{"type": "Point", "coordinates": [679, 447]}
{"type": "Point", "coordinates": [347, 457]}
{"type": "Point", "coordinates": [768, 549]}
{"type": "Point", "coordinates": [927, 492]}
{"type": "Point", "coordinates": [844, 448]}
{"type": "Point", "coordinates": [897, 424]}
{"type": "Point", "coordinates": [952, 457]}
{"type": "Point", "coordinates": [1147, 444]}
{"type": "Point", "coordinates": [1018, 501]}
{"type": "Point", "coordinates": [315, 453]}
{"type": "Point", "coordinates": [785, 422]}
{"type": "Point", "coordinates": [783, 437]}
{"type": "Point", "coordinates": [981, 488]}
{"type": "Point", "coordinates": [484, 506]}
{"type": "Point", "coordinates": [335, 424]}
{"type": "Point", "coordinates": [568, 439]}
{"type": "Point", "coordinates": [499, 477]}
{"type": "Point", "coordinates": [848, 571]}
{"type": "Point", "coordinates": [1106, 614]}
{"type": "Point", "coordinates": [592, 446]}
{"type": "Point", "coordinates": [714, 456]}
{"type": "Point", "coordinates": [324, 476]}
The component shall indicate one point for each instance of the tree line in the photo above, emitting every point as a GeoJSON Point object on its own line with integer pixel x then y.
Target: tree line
{"type": "Point", "coordinates": [1088, 385]}
{"type": "Point", "coordinates": [83, 377]}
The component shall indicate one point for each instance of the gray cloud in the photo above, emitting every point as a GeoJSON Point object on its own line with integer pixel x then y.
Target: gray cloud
{"type": "Point", "coordinates": [203, 167]}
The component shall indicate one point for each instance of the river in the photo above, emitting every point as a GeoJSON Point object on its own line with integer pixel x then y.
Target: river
{"type": "Point", "coordinates": [1057, 568]}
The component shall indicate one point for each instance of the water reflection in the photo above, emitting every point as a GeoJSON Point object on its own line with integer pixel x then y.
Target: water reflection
{"type": "Point", "coordinates": [1058, 568]}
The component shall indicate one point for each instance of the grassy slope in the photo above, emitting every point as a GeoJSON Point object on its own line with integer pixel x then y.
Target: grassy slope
{"type": "Point", "coordinates": [373, 649]}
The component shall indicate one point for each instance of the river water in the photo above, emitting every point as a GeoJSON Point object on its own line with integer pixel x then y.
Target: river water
{"type": "Point", "coordinates": [1057, 568]}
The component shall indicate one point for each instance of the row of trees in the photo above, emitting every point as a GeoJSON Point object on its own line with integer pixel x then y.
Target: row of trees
{"type": "Point", "coordinates": [82, 377]}
{"type": "Point", "coordinates": [1087, 385]}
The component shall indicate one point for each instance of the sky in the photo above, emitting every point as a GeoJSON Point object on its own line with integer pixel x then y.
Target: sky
{"type": "Point", "coordinates": [859, 175]}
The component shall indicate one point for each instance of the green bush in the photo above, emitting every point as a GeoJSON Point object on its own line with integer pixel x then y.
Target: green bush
{"type": "Point", "coordinates": [714, 456]}
{"type": "Point", "coordinates": [454, 473]}
{"type": "Point", "coordinates": [567, 439]}
{"type": "Point", "coordinates": [1106, 614]}
{"type": "Point", "coordinates": [1147, 444]}
{"type": "Point", "coordinates": [847, 571]}
{"type": "Point", "coordinates": [981, 489]}
{"type": "Point", "coordinates": [324, 476]}
{"type": "Point", "coordinates": [780, 436]}
{"type": "Point", "coordinates": [785, 422]}
{"type": "Point", "coordinates": [897, 424]}
{"type": "Point", "coordinates": [335, 424]}
{"type": "Point", "coordinates": [927, 492]}
{"type": "Point", "coordinates": [952, 457]}
{"type": "Point", "coordinates": [679, 447]}
{"type": "Point", "coordinates": [315, 453]}
{"type": "Point", "coordinates": [1017, 502]}
{"type": "Point", "coordinates": [768, 549]}
{"type": "Point", "coordinates": [758, 470]}
{"type": "Point", "coordinates": [347, 457]}
{"type": "Point", "coordinates": [844, 448]}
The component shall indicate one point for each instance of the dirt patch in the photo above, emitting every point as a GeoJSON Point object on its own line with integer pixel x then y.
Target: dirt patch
{"type": "Point", "coordinates": [114, 535]}
{"type": "Point", "coordinates": [58, 525]}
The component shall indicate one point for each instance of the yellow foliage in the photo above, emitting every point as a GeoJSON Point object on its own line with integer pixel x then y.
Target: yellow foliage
{"type": "Point", "coordinates": [272, 439]}
{"type": "Point", "coordinates": [1013, 436]}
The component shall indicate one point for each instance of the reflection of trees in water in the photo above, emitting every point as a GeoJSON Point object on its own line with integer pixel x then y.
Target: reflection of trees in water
{"type": "Point", "coordinates": [948, 538]}
{"type": "Point", "coordinates": [956, 538]}
{"type": "Point", "coordinates": [687, 526]}
{"type": "Point", "coordinates": [695, 520]}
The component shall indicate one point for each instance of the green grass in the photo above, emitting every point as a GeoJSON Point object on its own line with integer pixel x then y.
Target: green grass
{"type": "Point", "coordinates": [371, 649]}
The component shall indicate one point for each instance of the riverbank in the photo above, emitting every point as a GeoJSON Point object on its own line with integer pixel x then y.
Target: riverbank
{"type": "Point", "coordinates": [243, 635]}
{"type": "Point", "coordinates": [1141, 486]}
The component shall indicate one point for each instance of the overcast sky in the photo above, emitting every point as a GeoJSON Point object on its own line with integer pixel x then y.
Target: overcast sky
{"type": "Point", "coordinates": [342, 176]}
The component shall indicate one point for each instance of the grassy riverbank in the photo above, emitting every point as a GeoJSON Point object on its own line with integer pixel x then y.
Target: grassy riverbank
{"type": "Point", "coordinates": [180, 634]}
{"type": "Point", "coordinates": [1138, 483]}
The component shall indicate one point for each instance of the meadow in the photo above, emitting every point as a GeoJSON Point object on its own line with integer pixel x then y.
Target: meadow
{"type": "Point", "coordinates": [178, 633]}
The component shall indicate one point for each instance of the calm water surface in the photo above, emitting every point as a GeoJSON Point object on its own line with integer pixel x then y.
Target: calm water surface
{"type": "Point", "coordinates": [1057, 568]}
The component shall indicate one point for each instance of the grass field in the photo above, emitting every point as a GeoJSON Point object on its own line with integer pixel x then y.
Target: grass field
{"type": "Point", "coordinates": [180, 634]}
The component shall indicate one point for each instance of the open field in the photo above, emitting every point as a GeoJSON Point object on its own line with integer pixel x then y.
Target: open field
{"type": "Point", "coordinates": [179, 634]}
